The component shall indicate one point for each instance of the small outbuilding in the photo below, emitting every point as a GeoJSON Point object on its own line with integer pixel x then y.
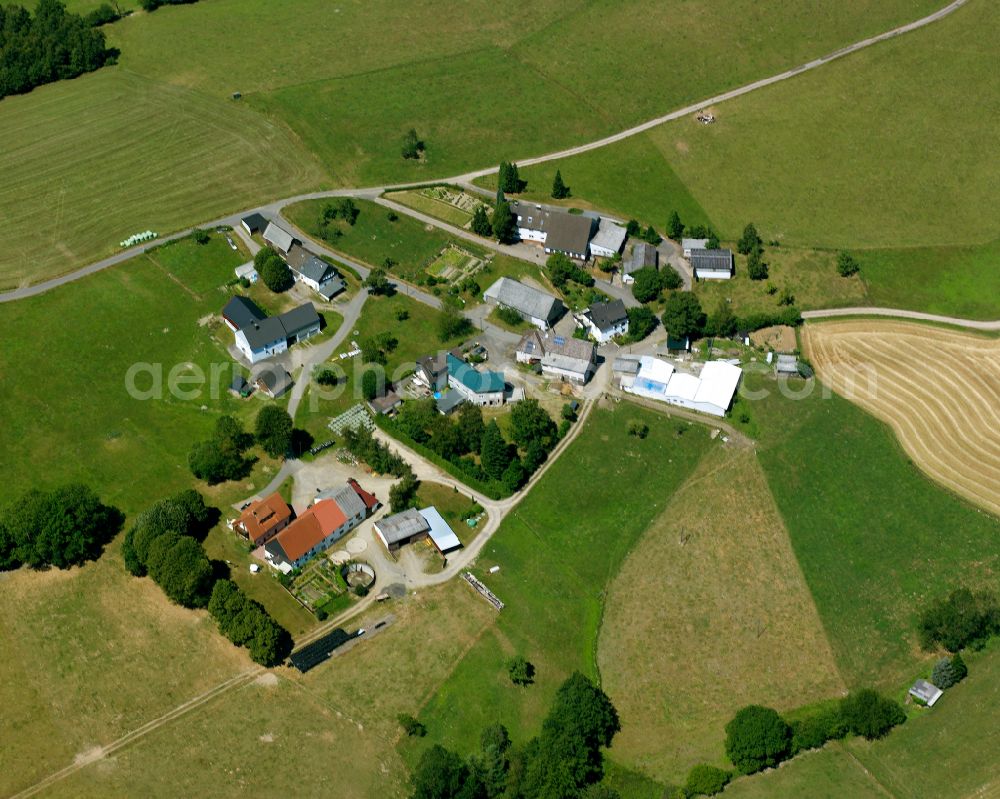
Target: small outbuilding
{"type": "Point", "coordinates": [279, 238]}
{"type": "Point", "coordinates": [247, 272]}
{"type": "Point", "coordinates": [925, 692]}
{"type": "Point", "coordinates": [787, 365]}
{"type": "Point", "coordinates": [609, 239]}
{"type": "Point", "coordinates": [254, 223]}
{"type": "Point", "coordinates": [273, 380]}
{"type": "Point", "coordinates": [643, 256]}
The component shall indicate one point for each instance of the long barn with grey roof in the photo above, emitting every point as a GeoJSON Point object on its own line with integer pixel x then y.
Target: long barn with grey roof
{"type": "Point", "coordinates": [712, 264]}
{"type": "Point", "coordinates": [541, 309]}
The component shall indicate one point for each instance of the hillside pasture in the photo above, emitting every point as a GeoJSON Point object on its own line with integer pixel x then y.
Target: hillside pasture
{"type": "Point", "coordinates": [557, 551]}
{"type": "Point", "coordinates": [89, 162]}
{"type": "Point", "coordinates": [335, 727]}
{"type": "Point", "coordinates": [936, 388]}
{"type": "Point", "coordinates": [715, 583]}
{"type": "Point", "coordinates": [91, 654]}
{"type": "Point", "coordinates": [876, 538]}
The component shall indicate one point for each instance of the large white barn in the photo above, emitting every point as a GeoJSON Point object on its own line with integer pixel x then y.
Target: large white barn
{"type": "Point", "coordinates": [710, 392]}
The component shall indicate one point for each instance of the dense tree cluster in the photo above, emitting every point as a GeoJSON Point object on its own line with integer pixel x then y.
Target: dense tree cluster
{"type": "Point", "coordinates": [273, 270]}
{"type": "Point", "coordinates": [757, 738]}
{"type": "Point", "coordinates": [378, 283]}
{"type": "Point", "coordinates": [273, 429]}
{"type": "Point", "coordinates": [565, 761]}
{"type": "Point", "coordinates": [866, 712]}
{"type": "Point", "coordinates": [246, 623]}
{"type": "Point", "coordinates": [377, 348]}
{"type": "Point", "coordinates": [722, 322]}
{"type": "Point", "coordinates": [504, 223]}
{"type": "Point", "coordinates": [365, 447]}
{"type": "Point", "coordinates": [509, 179]}
{"type": "Point", "coordinates": [649, 283]}
{"type": "Point", "coordinates": [104, 14]}
{"type": "Point", "coordinates": [63, 527]}
{"type": "Point", "coordinates": [221, 457]}
{"type": "Point", "coordinates": [49, 45]}
{"type": "Point", "coordinates": [641, 322]}
{"type": "Point", "coordinates": [165, 543]}
{"type": "Point", "coordinates": [964, 618]}
{"type": "Point", "coordinates": [562, 270]}
{"type": "Point", "coordinates": [481, 224]}
{"type": "Point", "coordinates": [460, 439]}
{"type": "Point", "coordinates": [682, 315]}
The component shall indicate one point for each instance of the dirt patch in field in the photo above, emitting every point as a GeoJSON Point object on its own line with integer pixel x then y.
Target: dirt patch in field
{"type": "Point", "coordinates": [780, 338]}
{"type": "Point", "coordinates": [709, 612]}
{"type": "Point", "coordinates": [936, 388]}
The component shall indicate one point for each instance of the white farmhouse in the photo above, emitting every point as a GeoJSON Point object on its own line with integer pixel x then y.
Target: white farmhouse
{"type": "Point", "coordinates": [605, 320]}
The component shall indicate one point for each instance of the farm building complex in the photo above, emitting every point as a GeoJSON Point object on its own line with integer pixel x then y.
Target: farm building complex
{"type": "Point", "coordinates": [710, 392]}
{"type": "Point", "coordinates": [414, 525]}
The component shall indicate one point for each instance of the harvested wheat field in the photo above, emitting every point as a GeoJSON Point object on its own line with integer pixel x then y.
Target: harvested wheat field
{"type": "Point", "coordinates": [710, 612]}
{"type": "Point", "coordinates": [938, 389]}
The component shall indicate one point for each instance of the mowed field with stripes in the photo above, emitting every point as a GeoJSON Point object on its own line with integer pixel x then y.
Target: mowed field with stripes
{"type": "Point", "coordinates": [938, 389]}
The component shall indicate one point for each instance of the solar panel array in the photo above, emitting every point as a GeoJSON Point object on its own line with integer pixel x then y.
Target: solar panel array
{"type": "Point", "coordinates": [318, 651]}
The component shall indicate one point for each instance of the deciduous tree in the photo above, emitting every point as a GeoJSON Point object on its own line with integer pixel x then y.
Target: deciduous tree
{"type": "Point", "coordinates": [757, 738]}
{"type": "Point", "coordinates": [274, 430]}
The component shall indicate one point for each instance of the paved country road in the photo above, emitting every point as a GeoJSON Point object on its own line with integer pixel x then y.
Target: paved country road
{"type": "Point", "coordinates": [374, 192]}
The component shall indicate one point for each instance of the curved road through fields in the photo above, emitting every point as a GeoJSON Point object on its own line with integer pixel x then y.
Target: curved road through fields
{"type": "Point", "coordinates": [374, 191]}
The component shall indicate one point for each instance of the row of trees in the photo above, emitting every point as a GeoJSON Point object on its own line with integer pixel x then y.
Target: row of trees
{"type": "Point", "coordinates": [246, 623]}
{"type": "Point", "coordinates": [683, 316]}
{"type": "Point", "coordinates": [649, 234]}
{"type": "Point", "coordinates": [758, 737]}
{"type": "Point", "coordinates": [64, 527]}
{"type": "Point", "coordinates": [565, 761]}
{"type": "Point", "coordinates": [50, 45]}
{"type": "Point", "coordinates": [165, 543]}
{"type": "Point", "coordinates": [223, 456]}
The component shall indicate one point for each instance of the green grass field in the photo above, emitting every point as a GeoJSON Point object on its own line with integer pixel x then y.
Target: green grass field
{"type": "Point", "coordinates": [861, 154]}
{"type": "Point", "coordinates": [157, 142]}
{"type": "Point", "coordinates": [958, 735]}
{"type": "Point", "coordinates": [557, 552]}
{"type": "Point", "coordinates": [88, 162]}
{"type": "Point", "coordinates": [875, 538]}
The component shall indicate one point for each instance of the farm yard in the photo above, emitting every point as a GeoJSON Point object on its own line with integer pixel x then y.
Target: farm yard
{"type": "Point", "coordinates": [699, 575]}
{"type": "Point", "coordinates": [936, 388]}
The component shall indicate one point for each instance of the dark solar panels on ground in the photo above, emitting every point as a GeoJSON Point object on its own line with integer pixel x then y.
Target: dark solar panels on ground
{"type": "Point", "coordinates": [318, 651]}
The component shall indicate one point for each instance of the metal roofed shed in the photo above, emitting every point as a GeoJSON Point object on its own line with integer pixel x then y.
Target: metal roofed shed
{"type": "Point", "coordinates": [689, 245]}
{"type": "Point", "coordinates": [401, 529]}
{"type": "Point", "coordinates": [537, 307]}
{"type": "Point", "coordinates": [643, 256]}
{"type": "Point", "coordinates": [609, 239]}
{"type": "Point", "coordinates": [926, 692]}
{"type": "Point", "coordinates": [787, 365]}
{"type": "Point", "coordinates": [440, 531]}
{"type": "Point", "coordinates": [712, 264]}
{"type": "Point", "coordinates": [246, 271]}
{"type": "Point", "coordinates": [278, 237]}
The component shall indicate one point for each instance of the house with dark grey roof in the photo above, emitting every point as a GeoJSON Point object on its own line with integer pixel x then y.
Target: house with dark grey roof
{"type": "Point", "coordinates": [605, 320]}
{"type": "Point", "coordinates": [561, 358]}
{"type": "Point", "coordinates": [254, 223]}
{"type": "Point", "coordinates": [279, 238]}
{"type": "Point", "coordinates": [712, 264]}
{"type": "Point", "coordinates": [558, 231]}
{"type": "Point", "coordinates": [479, 388]}
{"type": "Point", "coordinates": [241, 312]}
{"type": "Point", "coordinates": [541, 309]}
{"type": "Point", "coordinates": [258, 336]}
{"type": "Point", "coordinates": [314, 272]}
{"type": "Point", "coordinates": [570, 234]}
{"type": "Point", "coordinates": [272, 380]}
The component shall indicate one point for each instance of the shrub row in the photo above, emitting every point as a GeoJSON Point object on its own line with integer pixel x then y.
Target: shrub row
{"type": "Point", "coordinates": [245, 622]}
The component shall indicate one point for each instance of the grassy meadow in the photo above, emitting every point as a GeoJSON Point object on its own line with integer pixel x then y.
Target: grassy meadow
{"type": "Point", "coordinates": [723, 593]}
{"type": "Point", "coordinates": [556, 565]}
{"type": "Point", "coordinates": [875, 538]}
{"type": "Point", "coordinates": [89, 162]}
{"type": "Point", "coordinates": [157, 142]}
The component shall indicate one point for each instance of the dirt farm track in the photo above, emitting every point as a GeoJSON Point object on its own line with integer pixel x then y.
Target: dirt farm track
{"type": "Point", "coordinates": [938, 389]}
